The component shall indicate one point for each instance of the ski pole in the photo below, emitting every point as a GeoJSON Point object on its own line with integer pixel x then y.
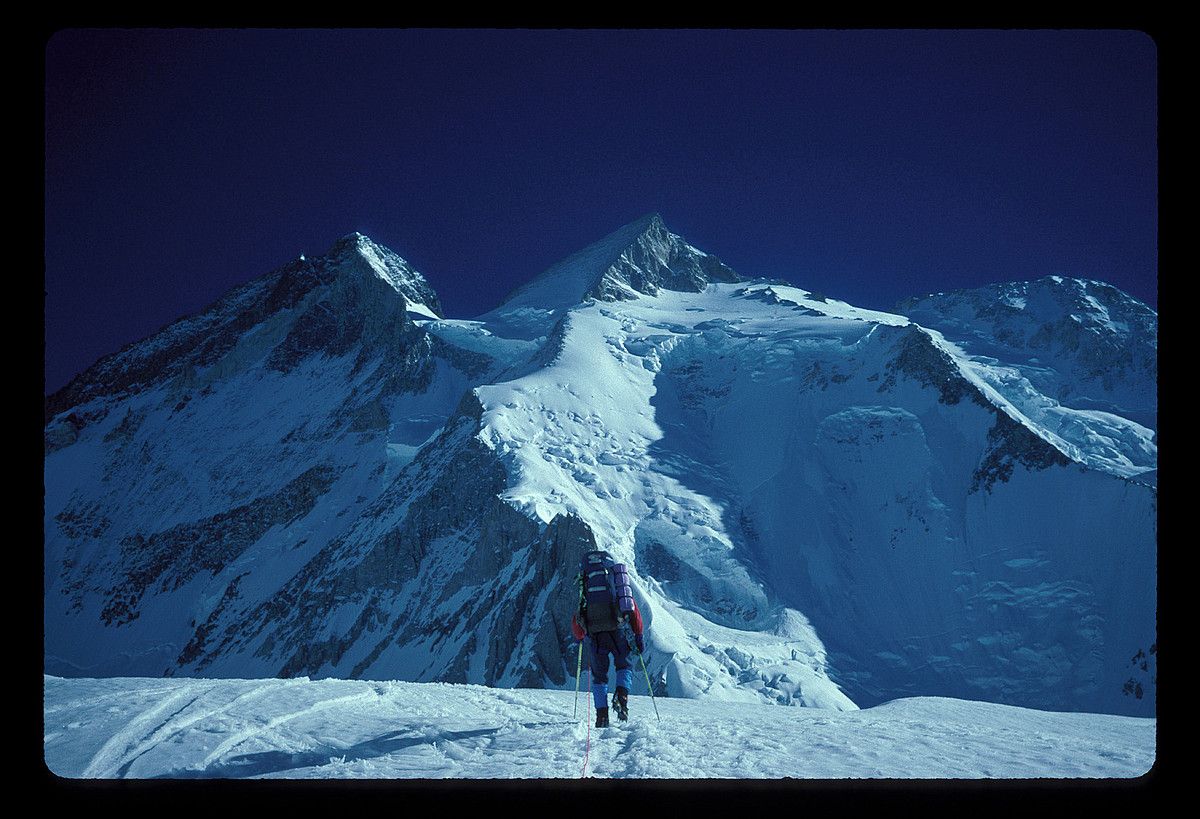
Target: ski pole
{"type": "Point", "coordinates": [587, 751]}
{"type": "Point", "coordinates": [649, 687]}
{"type": "Point", "coordinates": [579, 661]}
{"type": "Point", "coordinates": [578, 668]}
{"type": "Point", "coordinates": [633, 643]}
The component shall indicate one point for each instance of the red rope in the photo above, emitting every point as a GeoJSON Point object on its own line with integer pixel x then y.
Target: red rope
{"type": "Point", "coordinates": [587, 714]}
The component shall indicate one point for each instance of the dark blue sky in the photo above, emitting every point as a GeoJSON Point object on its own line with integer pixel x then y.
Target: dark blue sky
{"type": "Point", "coordinates": [870, 166]}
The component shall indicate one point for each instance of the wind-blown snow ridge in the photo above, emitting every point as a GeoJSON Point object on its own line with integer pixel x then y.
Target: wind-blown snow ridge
{"type": "Point", "coordinates": [340, 729]}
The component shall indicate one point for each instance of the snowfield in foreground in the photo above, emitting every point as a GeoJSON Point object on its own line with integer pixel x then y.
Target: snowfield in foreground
{"type": "Point", "coordinates": [299, 728]}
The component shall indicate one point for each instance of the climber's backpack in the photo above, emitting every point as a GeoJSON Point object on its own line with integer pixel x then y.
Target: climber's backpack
{"type": "Point", "coordinates": [605, 594]}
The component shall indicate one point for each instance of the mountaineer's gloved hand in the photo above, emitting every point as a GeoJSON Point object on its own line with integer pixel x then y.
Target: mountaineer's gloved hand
{"type": "Point", "coordinates": [641, 644]}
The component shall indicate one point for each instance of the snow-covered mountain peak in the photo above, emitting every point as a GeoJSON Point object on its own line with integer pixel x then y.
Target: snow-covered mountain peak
{"type": "Point", "coordinates": [1045, 300]}
{"type": "Point", "coordinates": [1080, 342]}
{"type": "Point", "coordinates": [638, 259]}
{"type": "Point", "coordinates": [357, 291]}
{"type": "Point", "coordinates": [354, 250]}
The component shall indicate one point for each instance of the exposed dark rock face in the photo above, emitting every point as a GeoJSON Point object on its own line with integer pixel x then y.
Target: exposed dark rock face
{"type": "Point", "coordinates": [641, 258]}
{"type": "Point", "coordinates": [316, 330]}
{"type": "Point", "coordinates": [918, 358]}
{"type": "Point", "coordinates": [1011, 443]}
{"type": "Point", "coordinates": [768, 295]}
{"type": "Point", "coordinates": [392, 569]}
{"type": "Point", "coordinates": [62, 432]}
{"type": "Point", "coordinates": [86, 522]}
{"type": "Point", "coordinates": [176, 555]}
{"type": "Point", "coordinates": [196, 645]}
{"type": "Point", "coordinates": [371, 259]}
{"type": "Point", "coordinates": [658, 259]}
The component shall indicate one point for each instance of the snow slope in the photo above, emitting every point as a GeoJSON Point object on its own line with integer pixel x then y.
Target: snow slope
{"type": "Point", "coordinates": [210, 462]}
{"type": "Point", "coordinates": [753, 452]}
{"type": "Point", "coordinates": [350, 729]}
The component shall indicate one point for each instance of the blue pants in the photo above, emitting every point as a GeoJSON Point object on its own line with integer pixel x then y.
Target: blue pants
{"type": "Point", "coordinates": [603, 644]}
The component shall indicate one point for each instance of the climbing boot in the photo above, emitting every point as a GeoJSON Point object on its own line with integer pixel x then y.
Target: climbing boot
{"type": "Point", "coordinates": [621, 703]}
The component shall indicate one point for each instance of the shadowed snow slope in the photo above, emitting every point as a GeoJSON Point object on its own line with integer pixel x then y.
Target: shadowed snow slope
{"type": "Point", "coordinates": [819, 505]}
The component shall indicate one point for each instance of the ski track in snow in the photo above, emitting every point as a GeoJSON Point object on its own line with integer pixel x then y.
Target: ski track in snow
{"type": "Point", "coordinates": [349, 729]}
{"type": "Point", "coordinates": [119, 754]}
{"type": "Point", "coordinates": [241, 736]}
{"type": "Point", "coordinates": [135, 738]}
